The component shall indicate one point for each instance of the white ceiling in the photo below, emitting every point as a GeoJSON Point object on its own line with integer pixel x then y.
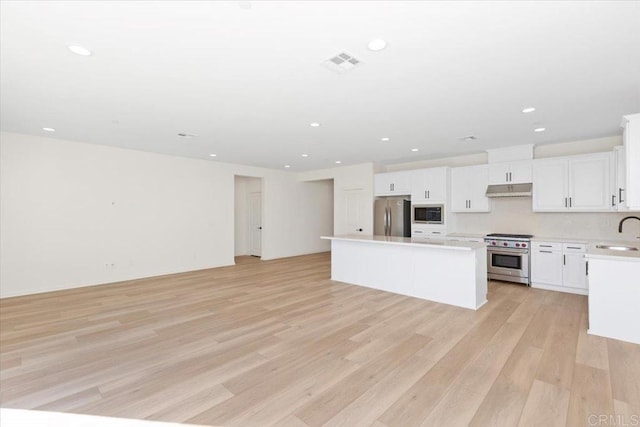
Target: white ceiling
{"type": "Point", "coordinates": [248, 81]}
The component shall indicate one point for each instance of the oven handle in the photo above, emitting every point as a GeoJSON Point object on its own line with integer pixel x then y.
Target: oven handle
{"type": "Point", "coordinates": [507, 252]}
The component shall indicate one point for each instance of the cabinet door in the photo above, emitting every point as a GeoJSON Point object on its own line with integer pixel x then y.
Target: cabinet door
{"type": "Point", "coordinates": [382, 184]}
{"type": "Point", "coordinates": [550, 185]}
{"type": "Point", "coordinates": [401, 182]}
{"type": "Point", "coordinates": [499, 173]}
{"type": "Point", "coordinates": [575, 270]}
{"type": "Point", "coordinates": [437, 184]}
{"type": "Point", "coordinates": [419, 184]}
{"type": "Point", "coordinates": [459, 190]}
{"type": "Point", "coordinates": [478, 180]}
{"type": "Point", "coordinates": [520, 172]}
{"type": "Point", "coordinates": [590, 183]}
{"type": "Point", "coordinates": [546, 267]}
{"type": "Point", "coordinates": [632, 160]}
{"type": "Point", "coordinates": [392, 183]}
{"type": "Point", "coordinates": [621, 179]}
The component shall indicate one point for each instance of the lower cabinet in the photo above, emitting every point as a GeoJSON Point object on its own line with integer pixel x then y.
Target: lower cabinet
{"type": "Point", "coordinates": [559, 267]}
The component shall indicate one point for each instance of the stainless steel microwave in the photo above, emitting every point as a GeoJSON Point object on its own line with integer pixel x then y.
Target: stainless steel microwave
{"type": "Point", "coordinates": [427, 214]}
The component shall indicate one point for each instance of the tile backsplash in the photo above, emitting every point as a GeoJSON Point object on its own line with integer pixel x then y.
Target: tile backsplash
{"type": "Point", "coordinates": [514, 215]}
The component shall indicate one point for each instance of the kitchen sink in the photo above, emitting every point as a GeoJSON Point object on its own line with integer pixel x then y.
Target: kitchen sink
{"type": "Point", "coordinates": [617, 247]}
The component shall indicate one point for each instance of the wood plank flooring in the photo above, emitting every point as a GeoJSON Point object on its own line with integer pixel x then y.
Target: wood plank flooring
{"type": "Point", "coordinates": [277, 343]}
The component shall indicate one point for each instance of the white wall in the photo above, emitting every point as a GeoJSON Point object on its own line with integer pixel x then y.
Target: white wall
{"type": "Point", "coordinates": [70, 210]}
{"type": "Point", "coordinates": [348, 178]}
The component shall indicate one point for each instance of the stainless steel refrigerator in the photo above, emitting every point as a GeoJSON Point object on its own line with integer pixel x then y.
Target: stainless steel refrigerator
{"type": "Point", "coordinates": [392, 217]}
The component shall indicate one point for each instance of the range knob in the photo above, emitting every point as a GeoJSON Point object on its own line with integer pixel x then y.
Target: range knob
{"type": "Point", "coordinates": [524, 245]}
{"type": "Point", "coordinates": [506, 244]}
{"type": "Point", "coordinates": [493, 243]}
{"type": "Point", "coordinates": [517, 245]}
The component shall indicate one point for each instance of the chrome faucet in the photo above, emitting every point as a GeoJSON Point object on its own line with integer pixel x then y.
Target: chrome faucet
{"type": "Point", "coordinates": [623, 220]}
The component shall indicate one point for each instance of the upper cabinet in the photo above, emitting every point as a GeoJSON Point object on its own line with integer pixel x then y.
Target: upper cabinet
{"type": "Point", "coordinates": [429, 185]}
{"type": "Point", "coordinates": [392, 183]}
{"type": "Point", "coordinates": [578, 183]}
{"type": "Point", "coordinates": [631, 138]}
{"type": "Point", "coordinates": [621, 178]}
{"type": "Point", "coordinates": [468, 189]}
{"type": "Point", "coordinates": [517, 172]}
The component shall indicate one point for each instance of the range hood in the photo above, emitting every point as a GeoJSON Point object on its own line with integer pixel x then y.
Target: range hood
{"type": "Point", "coordinates": [509, 190]}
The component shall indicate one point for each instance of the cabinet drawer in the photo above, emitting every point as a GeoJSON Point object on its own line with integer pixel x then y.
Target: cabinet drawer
{"type": "Point", "coordinates": [574, 247]}
{"type": "Point", "coordinates": [547, 246]}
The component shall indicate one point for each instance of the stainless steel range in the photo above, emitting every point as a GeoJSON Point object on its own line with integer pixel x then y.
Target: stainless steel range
{"type": "Point", "coordinates": [508, 257]}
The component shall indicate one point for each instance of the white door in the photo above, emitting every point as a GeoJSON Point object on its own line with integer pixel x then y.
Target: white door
{"type": "Point", "coordinates": [550, 185]}
{"type": "Point", "coordinates": [459, 190]}
{"type": "Point", "coordinates": [546, 267]}
{"type": "Point", "coordinates": [575, 270]}
{"type": "Point", "coordinates": [590, 185]}
{"type": "Point", "coordinates": [255, 224]}
{"type": "Point", "coordinates": [354, 212]}
{"type": "Point", "coordinates": [520, 172]}
{"type": "Point", "coordinates": [478, 180]}
{"type": "Point", "coordinates": [437, 184]}
{"type": "Point", "coordinates": [499, 173]}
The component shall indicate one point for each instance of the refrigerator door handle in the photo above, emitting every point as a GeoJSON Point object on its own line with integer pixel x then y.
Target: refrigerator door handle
{"type": "Point", "coordinates": [388, 221]}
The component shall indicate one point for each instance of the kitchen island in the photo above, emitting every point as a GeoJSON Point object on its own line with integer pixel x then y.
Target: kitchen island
{"type": "Point", "coordinates": [448, 272]}
{"type": "Point", "coordinates": [614, 292]}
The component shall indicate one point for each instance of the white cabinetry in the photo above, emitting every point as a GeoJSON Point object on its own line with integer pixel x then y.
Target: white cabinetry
{"type": "Point", "coordinates": [631, 137]}
{"type": "Point", "coordinates": [559, 267]}
{"type": "Point", "coordinates": [510, 172]}
{"type": "Point", "coordinates": [621, 178]}
{"type": "Point", "coordinates": [574, 272]}
{"type": "Point", "coordinates": [429, 185]}
{"type": "Point", "coordinates": [465, 239]}
{"type": "Point", "coordinates": [578, 183]}
{"type": "Point", "coordinates": [468, 189]}
{"type": "Point", "coordinates": [546, 263]}
{"type": "Point", "coordinates": [426, 234]}
{"type": "Point", "coordinates": [392, 183]}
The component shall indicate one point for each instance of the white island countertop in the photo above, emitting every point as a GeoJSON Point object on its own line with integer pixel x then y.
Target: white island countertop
{"type": "Point", "coordinates": [449, 272]}
{"type": "Point", "coordinates": [407, 241]}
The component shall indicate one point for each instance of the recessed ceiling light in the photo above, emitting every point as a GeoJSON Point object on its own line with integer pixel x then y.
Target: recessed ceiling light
{"type": "Point", "coordinates": [212, 155]}
{"type": "Point", "coordinates": [314, 124]}
{"type": "Point", "coordinates": [287, 166]}
{"type": "Point", "coordinates": [528, 110]}
{"type": "Point", "coordinates": [415, 149]}
{"type": "Point", "coordinates": [79, 50]}
{"type": "Point", "coordinates": [539, 129]}
{"type": "Point", "coordinates": [305, 155]}
{"type": "Point", "coordinates": [377, 44]}
{"type": "Point", "coordinates": [385, 139]}
{"type": "Point", "coordinates": [49, 129]}
{"type": "Point", "coordinates": [338, 161]}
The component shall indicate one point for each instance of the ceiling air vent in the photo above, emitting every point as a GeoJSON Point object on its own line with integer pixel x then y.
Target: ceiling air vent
{"type": "Point", "coordinates": [469, 138]}
{"type": "Point", "coordinates": [342, 62]}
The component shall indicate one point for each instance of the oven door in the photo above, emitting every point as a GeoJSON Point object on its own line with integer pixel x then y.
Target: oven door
{"type": "Point", "coordinates": [508, 262]}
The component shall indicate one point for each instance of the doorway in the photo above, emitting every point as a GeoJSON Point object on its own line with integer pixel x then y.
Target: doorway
{"type": "Point", "coordinates": [248, 216]}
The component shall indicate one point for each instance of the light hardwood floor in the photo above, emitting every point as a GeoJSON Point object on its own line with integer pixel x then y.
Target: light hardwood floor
{"type": "Point", "coordinates": [277, 343]}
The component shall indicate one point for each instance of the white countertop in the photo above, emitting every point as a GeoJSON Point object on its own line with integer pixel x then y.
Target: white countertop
{"type": "Point", "coordinates": [561, 240]}
{"type": "Point", "coordinates": [472, 235]}
{"type": "Point", "coordinates": [596, 253]}
{"type": "Point", "coordinates": [406, 241]}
